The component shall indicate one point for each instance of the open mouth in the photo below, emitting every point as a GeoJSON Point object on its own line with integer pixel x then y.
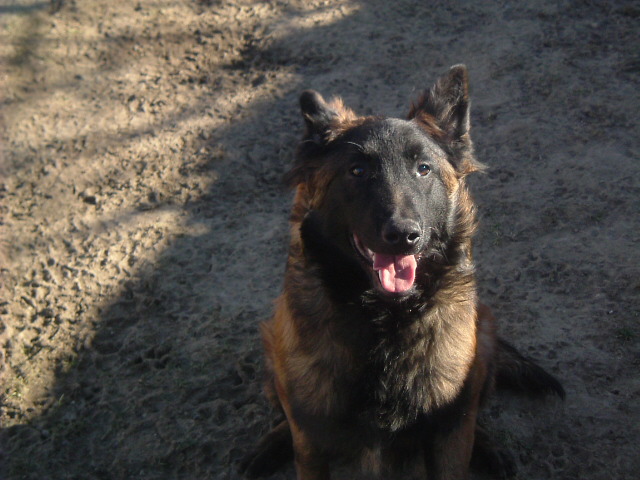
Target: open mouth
{"type": "Point", "coordinates": [397, 273]}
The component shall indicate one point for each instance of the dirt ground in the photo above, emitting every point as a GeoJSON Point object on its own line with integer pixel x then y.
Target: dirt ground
{"type": "Point", "coordinates": [144, 224]}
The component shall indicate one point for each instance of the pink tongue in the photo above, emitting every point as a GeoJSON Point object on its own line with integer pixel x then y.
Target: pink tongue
{"type": "Point", "coordinates": [396, 272]}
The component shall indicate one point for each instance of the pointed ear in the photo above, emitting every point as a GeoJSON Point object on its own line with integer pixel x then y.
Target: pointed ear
{"type": "Point", "coordinates": [318, 116]}
{"type": "Point", "coordinates": [446, 105]}
{"type": "Point", "coordinates": [324, 123]}
{"type": "Point", "coordinates": [443, 111]}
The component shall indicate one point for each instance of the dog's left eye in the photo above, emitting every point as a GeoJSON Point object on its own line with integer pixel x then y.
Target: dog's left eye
{"type": "Point", "coordinates": [423, 169]}
{"type": "Point", "coordinates": [358, 171]}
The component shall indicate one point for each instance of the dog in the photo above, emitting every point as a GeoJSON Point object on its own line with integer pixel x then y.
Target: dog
{"type": "Point", "coordinates": [379, 350]}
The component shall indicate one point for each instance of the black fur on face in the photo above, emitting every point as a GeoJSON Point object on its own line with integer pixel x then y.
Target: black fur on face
{"type": "Point", "coordinates": [385, 190]}
{"type": "Point", "coordinates": [386, 195]}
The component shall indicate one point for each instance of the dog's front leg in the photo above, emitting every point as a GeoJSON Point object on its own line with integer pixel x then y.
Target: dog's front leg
{"type": "Point", "coordinates": [310, 463]}
{"type": "Point", "coordinates": [448, 452]}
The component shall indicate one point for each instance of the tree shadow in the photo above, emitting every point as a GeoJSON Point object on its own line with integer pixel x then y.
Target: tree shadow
{"type": "Point", "coordinates": [22, 9]}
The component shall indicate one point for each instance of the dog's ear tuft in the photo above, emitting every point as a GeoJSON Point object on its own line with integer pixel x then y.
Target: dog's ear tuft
{"type": "Point", "coordinates": [453, 89]}
{"type": "Point", "coordinates": [324, 122]}
{"type": "Point", "coordinates": [443, 111]}
{"type": "Point", "coordinates": [318, 115]}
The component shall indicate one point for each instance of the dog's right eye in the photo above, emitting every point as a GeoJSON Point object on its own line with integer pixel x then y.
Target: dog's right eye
{"type": "Point", "coordinates": [423, 169]}
{"type": "Point", "coordinates": [357, 171]}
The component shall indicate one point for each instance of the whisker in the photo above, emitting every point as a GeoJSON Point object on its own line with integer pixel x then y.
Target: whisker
{"type": "Point", "coordinates": [360, 147]}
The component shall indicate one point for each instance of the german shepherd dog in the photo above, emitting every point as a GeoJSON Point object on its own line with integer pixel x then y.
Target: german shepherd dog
{"type": "Point", "coordinates": [379, 349]}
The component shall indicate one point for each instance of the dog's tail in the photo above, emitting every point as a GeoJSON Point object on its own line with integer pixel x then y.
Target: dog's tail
{"type": "Point", "coordinates": [272, 452]}
{"type": "Point", "coordinates": [520, 374]}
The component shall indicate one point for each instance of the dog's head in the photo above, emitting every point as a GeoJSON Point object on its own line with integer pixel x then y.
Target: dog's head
{"type": "Point", "coordinates": [385, 192]}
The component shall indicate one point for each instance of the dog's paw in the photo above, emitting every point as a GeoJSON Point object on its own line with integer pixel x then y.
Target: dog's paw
{"type": "Point", "coordinates": [495, 463]}
{"type": "Point", "coordinates": [274, 450]}
{"type": "Point", "coordinates": [489, 459]}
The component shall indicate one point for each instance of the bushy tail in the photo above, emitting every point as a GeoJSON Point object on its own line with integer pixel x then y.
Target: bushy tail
{"type": "Point", "coordinates": [520, 374]}
{"type": "Point", "coordinates": [272, 452]}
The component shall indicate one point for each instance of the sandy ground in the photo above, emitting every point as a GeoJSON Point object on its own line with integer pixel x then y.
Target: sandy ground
{"type": "Point", "coordinates": [144, 223]}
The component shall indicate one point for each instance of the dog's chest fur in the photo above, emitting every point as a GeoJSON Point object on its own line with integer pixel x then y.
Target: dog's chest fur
{"type": "Point", "coordinates": [386, 363]}
{"type": "Point", "coordinates": [417, 365]}
{"type": "Point", "coordinates": [403, 363]}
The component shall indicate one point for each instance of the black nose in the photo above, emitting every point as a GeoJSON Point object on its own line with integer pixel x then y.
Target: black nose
{"type": "Point", "coordinates": [402, 233]}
